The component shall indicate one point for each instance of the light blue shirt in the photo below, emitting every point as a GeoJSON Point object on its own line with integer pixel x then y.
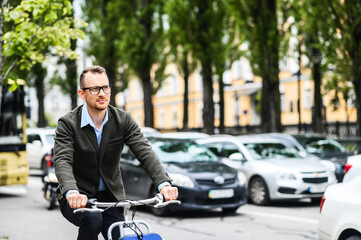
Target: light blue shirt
{"type": "Point", "coordinates": [87, 120]}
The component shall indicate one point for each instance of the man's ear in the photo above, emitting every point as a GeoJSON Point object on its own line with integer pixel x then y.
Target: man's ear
{"type": "Point", "coordinates": [81, 94]}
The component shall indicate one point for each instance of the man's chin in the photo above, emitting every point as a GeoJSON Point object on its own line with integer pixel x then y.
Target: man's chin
{"type": "Point", "coordinates": [101, 107]}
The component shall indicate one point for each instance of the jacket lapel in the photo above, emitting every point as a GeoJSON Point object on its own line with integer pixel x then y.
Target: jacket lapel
{"type": "Point", "coordinates": [107, 130]}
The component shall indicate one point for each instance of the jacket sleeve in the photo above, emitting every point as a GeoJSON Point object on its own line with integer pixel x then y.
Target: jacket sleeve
{"type": "Point", "coordinates": [64, 156]}
{"type": "Point", "coordinates": [144, 152]}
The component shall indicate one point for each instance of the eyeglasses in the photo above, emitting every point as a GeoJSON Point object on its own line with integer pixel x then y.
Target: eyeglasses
{"type": "Point", "coordinates": [96, 90]}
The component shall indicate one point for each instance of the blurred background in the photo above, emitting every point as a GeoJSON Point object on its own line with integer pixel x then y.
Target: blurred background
{"type": "Point", "coordinates": [222, 66]}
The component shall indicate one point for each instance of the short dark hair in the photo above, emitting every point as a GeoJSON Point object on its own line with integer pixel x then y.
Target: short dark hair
{"type": "Point", "coordinates": [92, 69]}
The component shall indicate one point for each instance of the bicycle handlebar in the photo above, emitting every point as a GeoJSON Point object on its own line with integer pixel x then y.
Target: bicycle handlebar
{"type": "Point", "coordinates": [157, 201]}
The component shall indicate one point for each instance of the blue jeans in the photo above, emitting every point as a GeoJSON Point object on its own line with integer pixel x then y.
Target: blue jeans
{"type": "Point", "coordinates": [91, 224]}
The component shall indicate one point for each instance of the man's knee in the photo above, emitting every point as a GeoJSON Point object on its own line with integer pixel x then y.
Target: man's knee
{"type": "Point", "coordinates": [91, 222]}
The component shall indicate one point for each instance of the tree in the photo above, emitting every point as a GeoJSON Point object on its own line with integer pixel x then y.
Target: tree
{"type": "Point", "coordinates": [341, 31]}
{"type": "Point", "coordinates": [142, 46]}
{"type": "Point", "coordinates": [226, 52]}
{"type": "Point", "coordinates": [180, 37]}
{"type": "Point", "coordinates": [307, 15]}
{"type": "Point", "coordinates": [32, 28]}
{"type": "Point", "coordinates": [208, 18]}
{"type": "Point", "coordinates": [258, 20]}
{"type": "Point", "coordinates": [104, 36]}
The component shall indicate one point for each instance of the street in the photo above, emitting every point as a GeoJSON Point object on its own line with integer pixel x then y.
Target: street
{"type": "Point", "coordinates": [23, 216]}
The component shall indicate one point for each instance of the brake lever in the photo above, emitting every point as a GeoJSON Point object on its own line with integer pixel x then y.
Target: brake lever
{"type": "Point", "coordinates": [163, 204]}
{"type": "Point", "coordinates": [93, 210]}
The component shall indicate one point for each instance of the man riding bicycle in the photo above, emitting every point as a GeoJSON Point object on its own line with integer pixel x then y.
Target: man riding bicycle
{"type": "Point", "coordinates": [88, 145]}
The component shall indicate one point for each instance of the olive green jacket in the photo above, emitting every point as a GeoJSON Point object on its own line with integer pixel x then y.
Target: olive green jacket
{"type": "Point", "coordinates": [79, 162]}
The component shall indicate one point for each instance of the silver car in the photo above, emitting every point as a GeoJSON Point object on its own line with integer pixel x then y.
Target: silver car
{"type": "Point", "coordinates": [273, 170]}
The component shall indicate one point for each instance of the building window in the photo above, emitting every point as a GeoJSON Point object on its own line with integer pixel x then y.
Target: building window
{"type": "Point", "coordinates": [308, 95]}
{"type": "Point", "coordinates": [291, 106]}
{"type": "Point", "coordinates": [173, 85]}
{"type": "Point", "coordinates": [175, 118]}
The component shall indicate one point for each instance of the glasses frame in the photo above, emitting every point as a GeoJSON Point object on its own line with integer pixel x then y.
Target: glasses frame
{"type": "Point", "coordinates": [99, 88]}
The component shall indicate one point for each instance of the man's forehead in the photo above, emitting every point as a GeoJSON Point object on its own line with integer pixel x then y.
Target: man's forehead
{"type": "Point", "coordinates": [95, 77]}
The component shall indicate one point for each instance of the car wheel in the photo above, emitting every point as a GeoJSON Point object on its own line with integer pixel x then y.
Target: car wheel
{"type": "Point", "coordinates": [353, 237]}
{"type": "Point", "coordinates": [258, 192]}
{"type": "Point", "coordinates": [229, 210]}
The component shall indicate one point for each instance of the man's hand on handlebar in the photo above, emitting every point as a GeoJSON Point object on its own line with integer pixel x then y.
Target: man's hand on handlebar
{"type": "Point", "coordinates": [77, 200]}
{"type": "Point", "coordinates": [169, 193]}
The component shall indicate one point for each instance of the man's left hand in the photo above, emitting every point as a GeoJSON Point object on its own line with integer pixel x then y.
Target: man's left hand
{"type": "Point", "coordinates": [169, 193]}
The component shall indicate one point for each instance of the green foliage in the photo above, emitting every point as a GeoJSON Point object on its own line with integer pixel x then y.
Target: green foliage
{"type": "Point", "coordinates": [37, 27]}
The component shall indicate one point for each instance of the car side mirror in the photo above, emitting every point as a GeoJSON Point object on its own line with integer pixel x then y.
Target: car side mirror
{"type": "Point", "coordinates": [237, 157]}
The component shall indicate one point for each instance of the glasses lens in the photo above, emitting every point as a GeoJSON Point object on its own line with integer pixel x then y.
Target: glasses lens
{"type": "Point", "coordinates": [94, 90]}
{"type": "Point", "coordinates": [106, 89]}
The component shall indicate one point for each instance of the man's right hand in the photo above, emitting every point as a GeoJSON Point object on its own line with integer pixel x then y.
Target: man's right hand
{"type": "Point", "coordinates": [77, 200]}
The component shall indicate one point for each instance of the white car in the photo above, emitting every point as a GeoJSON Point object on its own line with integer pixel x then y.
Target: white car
{"type": "Point", "coordinates": [274, 170]}
{"type": "Point", "coordinates": [40, 142]}
{"type": "Point", "coordinates": [352, 167]}
{"type": "Point", "coordinates": [340, 210]}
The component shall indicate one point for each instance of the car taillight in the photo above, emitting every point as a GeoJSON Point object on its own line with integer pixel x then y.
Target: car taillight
{"type": "Point", "coordinates": [322, 202]}
{"type": "Point", "coordinates": [347, 167]}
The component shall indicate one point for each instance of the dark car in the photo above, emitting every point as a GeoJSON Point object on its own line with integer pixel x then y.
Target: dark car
{"type": "Point", "coordinates": [203, 182]}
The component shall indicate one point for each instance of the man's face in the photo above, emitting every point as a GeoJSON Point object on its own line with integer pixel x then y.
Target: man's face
{"type": "Point", "coordinates": [99, 101]}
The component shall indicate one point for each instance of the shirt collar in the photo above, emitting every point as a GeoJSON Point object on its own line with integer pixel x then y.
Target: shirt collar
{"type": "Point", "coordinates": [86, 119]}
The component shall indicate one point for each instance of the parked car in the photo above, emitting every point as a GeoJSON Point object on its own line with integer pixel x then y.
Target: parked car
{"type": "Point", "coordinates": [352, 168]}
{"type": "Point", "coordinates": [340, 211]}
{"type": "Point", "coordinates": [148, 131]}
{"type": "Point", "coordinates": [203, 182]}
{"type": "Point", "coordinates": [40, 142]}
{"type": "Point", "coordinates": [317, 147]}
{"type": "Point", "coordinates": [274, 171]}
{"type": "Point", "coordinates": [326, 148]}
{"type": "Point", "coordinates": [185, 135]}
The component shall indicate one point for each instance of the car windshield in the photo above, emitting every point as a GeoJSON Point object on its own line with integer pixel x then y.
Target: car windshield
{"type": "Point", "coordinates": [50, 139]}
{"type": "Point", "coordinates": [182, 152]}
{"type": "Point", "coordinates": [261, 151]}
{"type": "Point", "coordinates": [323, 145]}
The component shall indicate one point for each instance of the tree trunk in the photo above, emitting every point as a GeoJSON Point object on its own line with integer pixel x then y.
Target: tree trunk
{"type": "Point", "coordinates": [185, 95]}
{"type": "Point", "coordinates": [206, 62]}
{"type": "Point", "coordinates": [208, 104]}
{"type": "Point", "coordinates": [40, 74]}
{"type": "Point", "coordinates": [72, 77]}
{"type": "Point", "coordinates": [148, 103]}
{"type": "Point", "coordinates": [266, 49]}
{"type": "Point", "coordinates": [221, 103]}
{"type": "Point", "coordinates": [317, 121]}
{"type": "Point", "coordinates": [111, 72]}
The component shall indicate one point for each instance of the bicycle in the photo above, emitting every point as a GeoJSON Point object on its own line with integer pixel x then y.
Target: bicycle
{"type": "Point", "coordinates": [129, 229]}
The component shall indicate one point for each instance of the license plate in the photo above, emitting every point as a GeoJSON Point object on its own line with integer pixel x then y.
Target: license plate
{"type": "Point", "coordinates": [221, 193]}
{"type": "Point", "coordinates": [317, 189]}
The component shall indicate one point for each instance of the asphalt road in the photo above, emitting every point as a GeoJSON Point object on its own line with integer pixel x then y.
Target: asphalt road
{"type": "Point", "coordinates": [23, 216]}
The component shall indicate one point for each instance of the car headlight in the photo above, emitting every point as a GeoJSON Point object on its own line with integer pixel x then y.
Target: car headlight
{"type": "Point", "coordinates": [181, 180]}
{"type": "Point", "coordinates": [330, 165]}
{"type": "Point", "coordinates": [287, 176]}
{"type": "Point", "coordinates": [241, 178]}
